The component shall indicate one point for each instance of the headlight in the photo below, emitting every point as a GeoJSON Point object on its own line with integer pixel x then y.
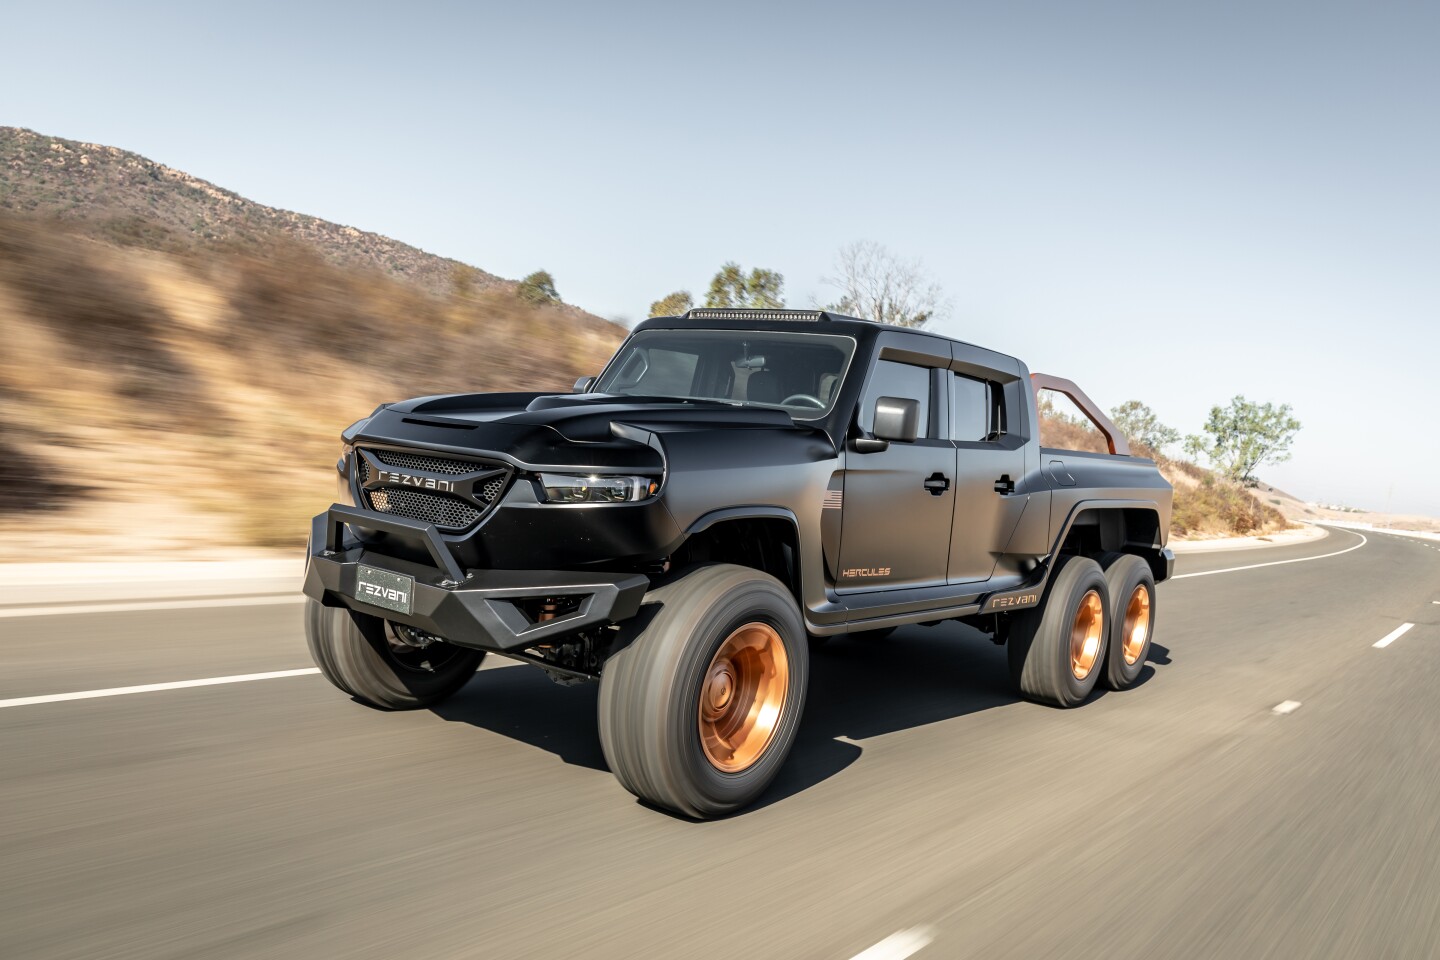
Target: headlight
{"type": "Point", "coordinates": [342, 466]}
{"type": "Point", "coordinates": [567, 488]}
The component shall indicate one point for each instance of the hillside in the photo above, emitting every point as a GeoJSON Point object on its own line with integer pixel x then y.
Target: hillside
{"type": "Point", "coordinates": [1206, 505]}
{"type": "Point", "coordinates": [1296, 509]}
{"type": "Point", "coordinates": [124, 198]}
{"type": "Point", "coordinates": [153, 403]}
{"type": "Point", "coordinates": [178, 361]}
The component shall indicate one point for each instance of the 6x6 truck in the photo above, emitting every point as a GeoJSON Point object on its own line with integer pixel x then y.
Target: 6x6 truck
{"type": "Point", "coordinates": [735, 486]}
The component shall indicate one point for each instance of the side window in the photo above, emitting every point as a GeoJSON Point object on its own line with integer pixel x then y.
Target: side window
{"type": "Point", "coordinates": [972, 409]}
{"type": "Point", "coordinates": [891, 379]}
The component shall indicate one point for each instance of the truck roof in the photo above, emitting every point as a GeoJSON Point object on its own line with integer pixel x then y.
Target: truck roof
{"type": "Point", "coordinates": [816, 321]}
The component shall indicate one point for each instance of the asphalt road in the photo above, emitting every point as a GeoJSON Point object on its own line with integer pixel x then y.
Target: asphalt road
{"type": "Point", "coordinates": [924, 809]}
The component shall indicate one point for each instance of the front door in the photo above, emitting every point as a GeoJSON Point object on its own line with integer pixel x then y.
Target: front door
{"type": "Point", "coordinates": [899, 503]}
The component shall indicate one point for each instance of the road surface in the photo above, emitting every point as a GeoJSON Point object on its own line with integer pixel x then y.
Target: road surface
{"type": "Point", "coordinates": [925, 812]}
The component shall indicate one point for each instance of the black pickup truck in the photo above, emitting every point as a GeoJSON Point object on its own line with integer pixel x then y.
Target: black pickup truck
{"type": "Point", "coordinates": [735, 487]}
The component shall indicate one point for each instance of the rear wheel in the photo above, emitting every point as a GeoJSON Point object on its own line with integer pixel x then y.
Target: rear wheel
{"type": "Point", "coordinates": [385, 664]}
{"type": "Point", "coordinates": [700, 709]}
{"type": "Point", "coordinates": [1057, 650]}
{"type": "Point", "coordinates": [1132, 602]}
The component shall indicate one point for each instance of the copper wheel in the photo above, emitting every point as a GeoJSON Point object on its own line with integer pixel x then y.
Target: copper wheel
{"type": "Point", "coordinates": [1086, 635]}
{"type": "Point", "coordinates": [1137, 624]}
{"type": "Point", "coordinates": [742, 696]}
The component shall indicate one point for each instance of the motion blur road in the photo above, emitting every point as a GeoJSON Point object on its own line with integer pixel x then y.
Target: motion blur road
{"type": "Point", "coordinates": [924, 806]}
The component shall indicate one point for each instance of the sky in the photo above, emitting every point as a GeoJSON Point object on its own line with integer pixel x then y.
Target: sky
{"type": "Point", "coordinates": [1171, 202]}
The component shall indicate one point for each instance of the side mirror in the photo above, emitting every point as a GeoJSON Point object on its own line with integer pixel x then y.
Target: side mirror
{"type": "Point", "coordinates": [897, 420]}
{"type": "Point", "coordinates": [584, 384]}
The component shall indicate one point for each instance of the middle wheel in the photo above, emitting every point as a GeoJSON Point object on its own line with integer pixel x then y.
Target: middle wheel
{"type": "Point", "coordinates": [699, 711]}
{"type": "Point", "coordinates": [1057, 650]}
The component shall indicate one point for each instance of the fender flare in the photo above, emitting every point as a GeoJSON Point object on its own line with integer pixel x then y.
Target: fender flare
{"type": "Point", "coordinates": [1030, 594]}
{"type": "Point", "coordinates": [755, 512]}
{"type": "Point", "coordinates": [797, 564]}
{"type": "Point", "coordinates": [1083, 506]}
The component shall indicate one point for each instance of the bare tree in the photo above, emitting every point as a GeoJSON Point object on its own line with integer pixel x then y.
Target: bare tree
{"type": "Point", "coordinates": [877, 285]}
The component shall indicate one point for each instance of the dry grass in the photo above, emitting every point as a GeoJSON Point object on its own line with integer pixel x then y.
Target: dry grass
{"type": "Point", "coordinates": [1206, 505]}
{"type": "Point", "coordinates": [215, 382]}
{"type": "Point", "coordinates": [1064, 432]}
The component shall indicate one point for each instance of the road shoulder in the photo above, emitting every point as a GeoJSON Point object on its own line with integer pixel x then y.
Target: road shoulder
{"type": "Point", "coordinates": [1285, 538]}
{"type": "Point", "coordinates": [47, 584]}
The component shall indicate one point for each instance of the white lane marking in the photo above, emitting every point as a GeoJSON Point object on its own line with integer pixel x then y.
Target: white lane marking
{"type": "Point", "coordinates": [134, 605]}
{"type": "Point", "coordinates": [1276, 563]}
{"type": "Point", "coordinates": [152, 687]}
{"type": "Point", "coordinates": [900, 945]}
{"type": "Point", "coordinates": [1392, 636]}
{"type": "Point", "coordinates": [1288, 706]}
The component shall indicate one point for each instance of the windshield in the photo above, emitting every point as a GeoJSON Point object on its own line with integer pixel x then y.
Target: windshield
{"type": "Point", "coordinates": [799, 373]}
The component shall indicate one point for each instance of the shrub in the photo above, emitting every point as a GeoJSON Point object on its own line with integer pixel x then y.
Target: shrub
{"type": "Point", "coordinates": [538, 289]}
{"type": "Point", "coordinates": [673, 305]}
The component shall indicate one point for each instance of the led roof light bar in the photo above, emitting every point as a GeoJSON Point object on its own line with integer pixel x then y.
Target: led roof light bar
{"type": "Point", "coordinates": [726, 313]}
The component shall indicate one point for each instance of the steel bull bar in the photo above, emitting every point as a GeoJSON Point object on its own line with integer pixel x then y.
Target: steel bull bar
{"type": "Point", "coordinates": [470, 608]}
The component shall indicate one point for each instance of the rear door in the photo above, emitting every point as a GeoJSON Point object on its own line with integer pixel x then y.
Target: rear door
{"type": "Point", "coordinates": [899, 503]}
{"type": "Point", "coordinates": [989, 464]}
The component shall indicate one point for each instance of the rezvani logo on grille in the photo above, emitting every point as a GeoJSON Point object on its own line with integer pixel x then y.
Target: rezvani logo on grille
{"type": "Point", "coordinates": [408, 480]}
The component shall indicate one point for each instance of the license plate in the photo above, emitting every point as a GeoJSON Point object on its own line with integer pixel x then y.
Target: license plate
{"type": "Point", "coordinates": [381, 588]}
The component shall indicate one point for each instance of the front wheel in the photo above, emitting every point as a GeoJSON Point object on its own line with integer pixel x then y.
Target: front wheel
{"type": "Point", "coordinates": [384, 664]}
{"type": "Point", "coordinates": [700, 709]}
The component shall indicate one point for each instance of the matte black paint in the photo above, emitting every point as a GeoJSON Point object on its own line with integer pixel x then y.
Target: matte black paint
{"type": "Point", "coordinates": [915, 549]}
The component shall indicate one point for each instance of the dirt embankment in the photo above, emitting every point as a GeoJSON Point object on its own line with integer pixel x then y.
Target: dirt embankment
{"type": "Point", "coordinates": [1206, 504]}
{"type": "Point", "coordinates": [189, 402]}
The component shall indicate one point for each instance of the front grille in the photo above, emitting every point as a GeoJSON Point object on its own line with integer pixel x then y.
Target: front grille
{"type": "Point", "coordinates": [416, 461]}
{"type": "Point", "coordinates": [437, 508]}
{"type": "Point", "coordinates": [446, 510]}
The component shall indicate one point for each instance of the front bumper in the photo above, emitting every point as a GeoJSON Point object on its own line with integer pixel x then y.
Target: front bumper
{"type": "Point", "coordinates": [475, 608]}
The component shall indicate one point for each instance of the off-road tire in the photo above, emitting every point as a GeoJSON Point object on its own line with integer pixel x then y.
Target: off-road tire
{"type": "Point", "coordinates": [650, 690]}
{"type": "Point", "coordinates": [1126, 573]}
{"type": "Point", "coordinates": [353, 653]}
{"type": "Point", "coordinates": [1039, 647]}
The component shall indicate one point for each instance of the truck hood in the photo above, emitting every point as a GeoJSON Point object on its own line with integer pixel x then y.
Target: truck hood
{"type": "Point", "coordinates": [557, 431]}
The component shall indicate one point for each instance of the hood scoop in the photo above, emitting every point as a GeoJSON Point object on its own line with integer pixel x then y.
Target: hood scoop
{"type": "Point", "coordinates": [561, 400]}
{"type": "Point", "coordinates": [447, 424]}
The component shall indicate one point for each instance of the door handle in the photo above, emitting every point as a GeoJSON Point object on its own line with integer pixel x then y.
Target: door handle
{"type": "Point", "coordinates": [1004, 485]}
{"type": "Point", "coordinates": [937, 483]}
